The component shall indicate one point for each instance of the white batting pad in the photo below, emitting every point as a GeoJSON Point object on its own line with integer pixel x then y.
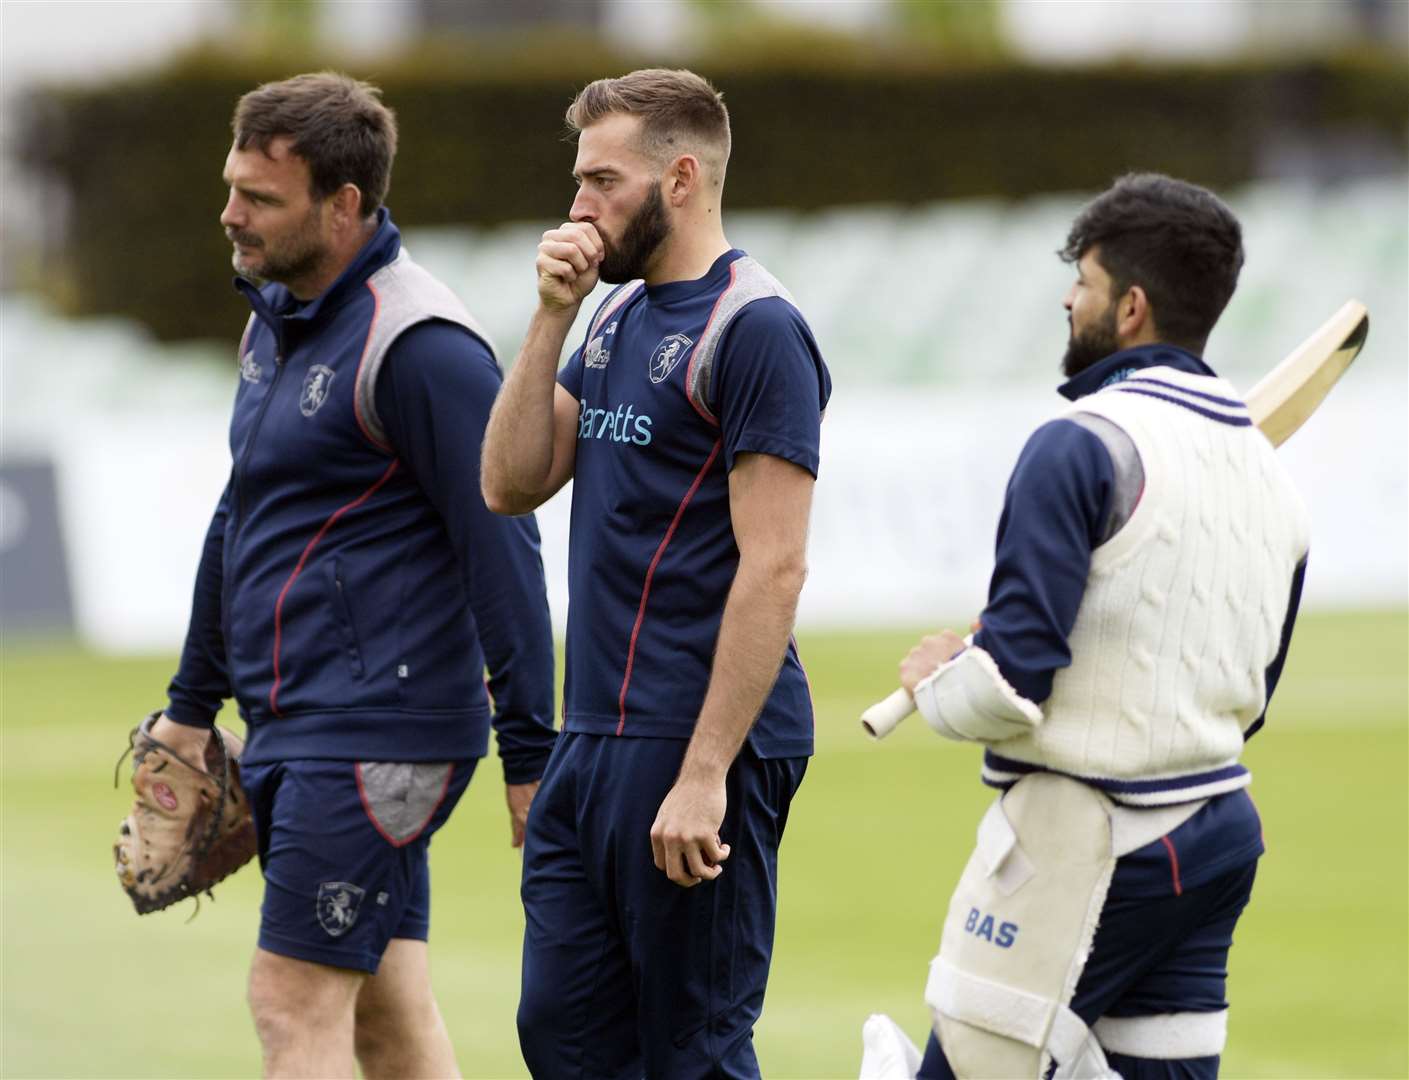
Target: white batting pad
{"type": "Point", "coordinates": [1020, 926]}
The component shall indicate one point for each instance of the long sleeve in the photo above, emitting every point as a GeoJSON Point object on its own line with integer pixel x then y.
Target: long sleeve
{"type": "Point", "coordinates": [433, 396]}
{"type": "Point", "coordinates": [1054, 513]}
{"type": "Point", "coordinates": [202, 681]}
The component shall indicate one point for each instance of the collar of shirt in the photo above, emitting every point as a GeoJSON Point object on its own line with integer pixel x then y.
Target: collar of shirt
{"type": "Point", "coordinates": [674, 291]}
{"type": "Point", "coordinates": [1121, 365]}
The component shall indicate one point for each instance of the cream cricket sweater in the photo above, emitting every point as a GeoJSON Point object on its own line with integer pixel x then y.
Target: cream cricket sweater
{"type": "Point", "coordinates": [1183, 608]}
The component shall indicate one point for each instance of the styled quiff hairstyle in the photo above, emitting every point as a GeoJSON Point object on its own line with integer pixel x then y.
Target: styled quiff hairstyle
{"type": "Point", "coordinates": [338, 125]}
{"type": "Point", "coordinates": [680, 113]}
{"type": "Point", "coordinates": [1176, 240]}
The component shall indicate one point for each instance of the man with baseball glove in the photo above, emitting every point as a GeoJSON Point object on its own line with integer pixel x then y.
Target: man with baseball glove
{"type": "Point", "coordinates": [356, 598]}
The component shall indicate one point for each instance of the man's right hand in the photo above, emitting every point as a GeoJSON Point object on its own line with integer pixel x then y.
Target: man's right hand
{"type": "Point", "coordinates": [186, 742]}
{"type": "Point", "coordinates": [568, 257]}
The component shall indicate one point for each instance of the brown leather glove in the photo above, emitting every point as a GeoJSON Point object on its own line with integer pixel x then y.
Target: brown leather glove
{"type": "Point", "coordinates": [190, 827]}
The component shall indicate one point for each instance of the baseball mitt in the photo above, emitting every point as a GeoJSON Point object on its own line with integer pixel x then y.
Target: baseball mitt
{"type": "Point", "coordinates": [190, 827]}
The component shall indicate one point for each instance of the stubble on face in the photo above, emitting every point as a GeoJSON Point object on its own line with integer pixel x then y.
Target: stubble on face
{"type": "Point", "coordinates": [626, 259]}
{"type": "Point", "coordinates": [292, 257]}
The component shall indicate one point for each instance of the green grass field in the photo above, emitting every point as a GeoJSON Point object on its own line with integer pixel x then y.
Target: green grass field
{"type": "Point", "coordinates": [1320, 974]}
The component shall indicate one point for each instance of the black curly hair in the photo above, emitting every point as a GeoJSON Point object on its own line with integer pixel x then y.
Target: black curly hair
{"type": "Point", "coordinates": [1176, 240]}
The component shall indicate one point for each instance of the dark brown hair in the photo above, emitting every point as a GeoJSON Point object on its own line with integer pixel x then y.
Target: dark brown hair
{"type": "Point", "coordinates": [1176, 240]}
{"type": "Point", "coordinates": [338, 125]}
{"type": "Point", "coordinates": [680, 112]}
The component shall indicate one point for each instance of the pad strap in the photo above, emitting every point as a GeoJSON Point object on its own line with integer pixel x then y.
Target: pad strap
{"type": "Point", "coordinates": [1165, 1036]}
{"type": "Point", "coordinates": [969, 700]}
{"type": "Point", "coordinates": [1037, 1021]}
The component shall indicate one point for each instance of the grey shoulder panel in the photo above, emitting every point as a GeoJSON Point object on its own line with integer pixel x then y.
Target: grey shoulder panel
{"type": "Point", "coordinates": [405, 294]}
{"type": "Point", "coordinates": [1129, 471]}
{"type": "Point", "coordinates": [612, 304]}
{"type": "Point", "coordinates": [749, 281]}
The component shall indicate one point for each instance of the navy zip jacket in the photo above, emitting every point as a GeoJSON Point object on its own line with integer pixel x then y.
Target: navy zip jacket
{"type": "Point", "coordinates": [354, 588]}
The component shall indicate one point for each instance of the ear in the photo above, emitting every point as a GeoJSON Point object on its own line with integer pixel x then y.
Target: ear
{"type": "Point", "coordinates": [1134, 318]}
{"type": "Point", "coordinates": [347, 205]}
{"type": "Point", "coordinates": [682, 177]}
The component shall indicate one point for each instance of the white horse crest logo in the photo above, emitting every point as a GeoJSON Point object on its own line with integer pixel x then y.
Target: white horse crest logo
{"type": "Point", "coordinates": [667, 355]}
{"type": "Point", "coordinates": [338, 905]}
{"type": "Point", "coordinates": [315, 389]}
{"type": "Point", "coordinates": [250, 370]}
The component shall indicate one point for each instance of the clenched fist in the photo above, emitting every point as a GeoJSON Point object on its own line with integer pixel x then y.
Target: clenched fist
{"type": "Point", "coordinates": [568, 257]}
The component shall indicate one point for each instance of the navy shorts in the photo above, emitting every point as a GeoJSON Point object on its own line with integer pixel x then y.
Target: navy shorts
{"type": "Point", "coordinates": [1165, 932]}
{"type": "Point", "coordinates": [624, 972]}
{"type": "Point", "coordinates": [344, 847]}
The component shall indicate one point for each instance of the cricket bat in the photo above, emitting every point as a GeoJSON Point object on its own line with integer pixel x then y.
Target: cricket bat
{"type": "Point", "coordinates": [1279, 404]}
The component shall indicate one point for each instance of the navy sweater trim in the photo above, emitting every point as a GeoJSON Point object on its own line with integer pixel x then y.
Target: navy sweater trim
{"type": "Point", "coordinates": [1222, 418]}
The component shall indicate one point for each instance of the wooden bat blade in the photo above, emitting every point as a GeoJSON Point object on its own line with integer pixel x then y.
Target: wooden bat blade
{"type": "Point", "coordinates": [1289, 393]}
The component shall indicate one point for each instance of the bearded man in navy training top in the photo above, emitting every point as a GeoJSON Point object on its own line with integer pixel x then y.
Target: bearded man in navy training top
{"type": "Point", "coordinates": [688, 419]}
{"type": "Point", "coordinates": [1149, 564]}
{"type": "Point", "coordinates": [354, 587]}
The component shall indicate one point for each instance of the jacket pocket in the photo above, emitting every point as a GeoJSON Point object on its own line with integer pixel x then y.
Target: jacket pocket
{"type": "Point", "coordinates": [342, 609]}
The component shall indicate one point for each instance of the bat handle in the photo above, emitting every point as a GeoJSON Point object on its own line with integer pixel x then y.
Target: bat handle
{"type": "Point", "coordinates": [881, 718]}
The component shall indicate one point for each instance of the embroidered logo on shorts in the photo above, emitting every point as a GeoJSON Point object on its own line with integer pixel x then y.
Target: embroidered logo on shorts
{"type": "Point", "coordinates": [338, 905]}
{"type": "Point", "coordinates": [667, 355]}
{"type": "Point", "coordinates": [315, 389]}
{"type": "Point", "coordinates": [250, 370]}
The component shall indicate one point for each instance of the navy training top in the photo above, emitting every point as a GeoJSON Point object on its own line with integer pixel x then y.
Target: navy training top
{"type": "Point", "coordinates": [673, 382]}
{"type": "Point", "coordinates": [351, 595]}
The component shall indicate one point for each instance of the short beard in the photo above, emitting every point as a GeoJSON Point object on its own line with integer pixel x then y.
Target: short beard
{"type": "Point", "coordinates": [1092, 346]}
{"type": "Point", "coordinates": [297, 256]}
{"type": "Point", "coordinates": [642, 236]}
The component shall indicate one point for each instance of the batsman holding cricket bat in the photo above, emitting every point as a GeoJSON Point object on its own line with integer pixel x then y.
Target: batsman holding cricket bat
{"type": "Point", "coordinates": [1149, 563]}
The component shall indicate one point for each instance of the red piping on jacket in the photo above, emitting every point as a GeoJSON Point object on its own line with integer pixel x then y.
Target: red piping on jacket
{"type": "Point", "coordinates": [298, 569]}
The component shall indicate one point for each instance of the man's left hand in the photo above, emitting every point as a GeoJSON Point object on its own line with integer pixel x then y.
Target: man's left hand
{"type": "Point", "coordinates": [520, 798]}
{"type": "Point", "coordinates": [685, 836]}
{"type": "Point", "coordinates": [927, 656]}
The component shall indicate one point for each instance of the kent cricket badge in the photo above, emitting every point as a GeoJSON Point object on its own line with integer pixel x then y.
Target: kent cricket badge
{"type": "Point", "coordinates": [315, 389]}
{"type": "Point", "coordinates": [338, 905]}
{"type": "Point", "coordinates": [668, 353]}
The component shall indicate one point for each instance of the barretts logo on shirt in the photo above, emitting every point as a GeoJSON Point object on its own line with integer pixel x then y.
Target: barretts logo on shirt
{"type": "Point", "coordinates": [250, 370]}
{"type": "Point", "coordinates": [667, 355]}
{"type": "Point", "coordinates": [619, 425]}
{"type": "Point", "coordinates": [315, 389]}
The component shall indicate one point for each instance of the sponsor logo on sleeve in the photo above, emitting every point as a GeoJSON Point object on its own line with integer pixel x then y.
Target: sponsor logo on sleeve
{"type": "Point", "coordinates": [667, 355]}
{"type": "Point", "coordinates": [596, 355]}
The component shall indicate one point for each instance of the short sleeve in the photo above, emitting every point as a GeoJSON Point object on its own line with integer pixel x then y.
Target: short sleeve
{"type": "Point", "coordinates": [770, 385]}
{"type": "Point", "coordinates": [570, 375]}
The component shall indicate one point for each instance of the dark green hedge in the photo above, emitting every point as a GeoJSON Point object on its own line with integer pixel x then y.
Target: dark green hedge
{"type": "Point", "coordinates": [480, 143]}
